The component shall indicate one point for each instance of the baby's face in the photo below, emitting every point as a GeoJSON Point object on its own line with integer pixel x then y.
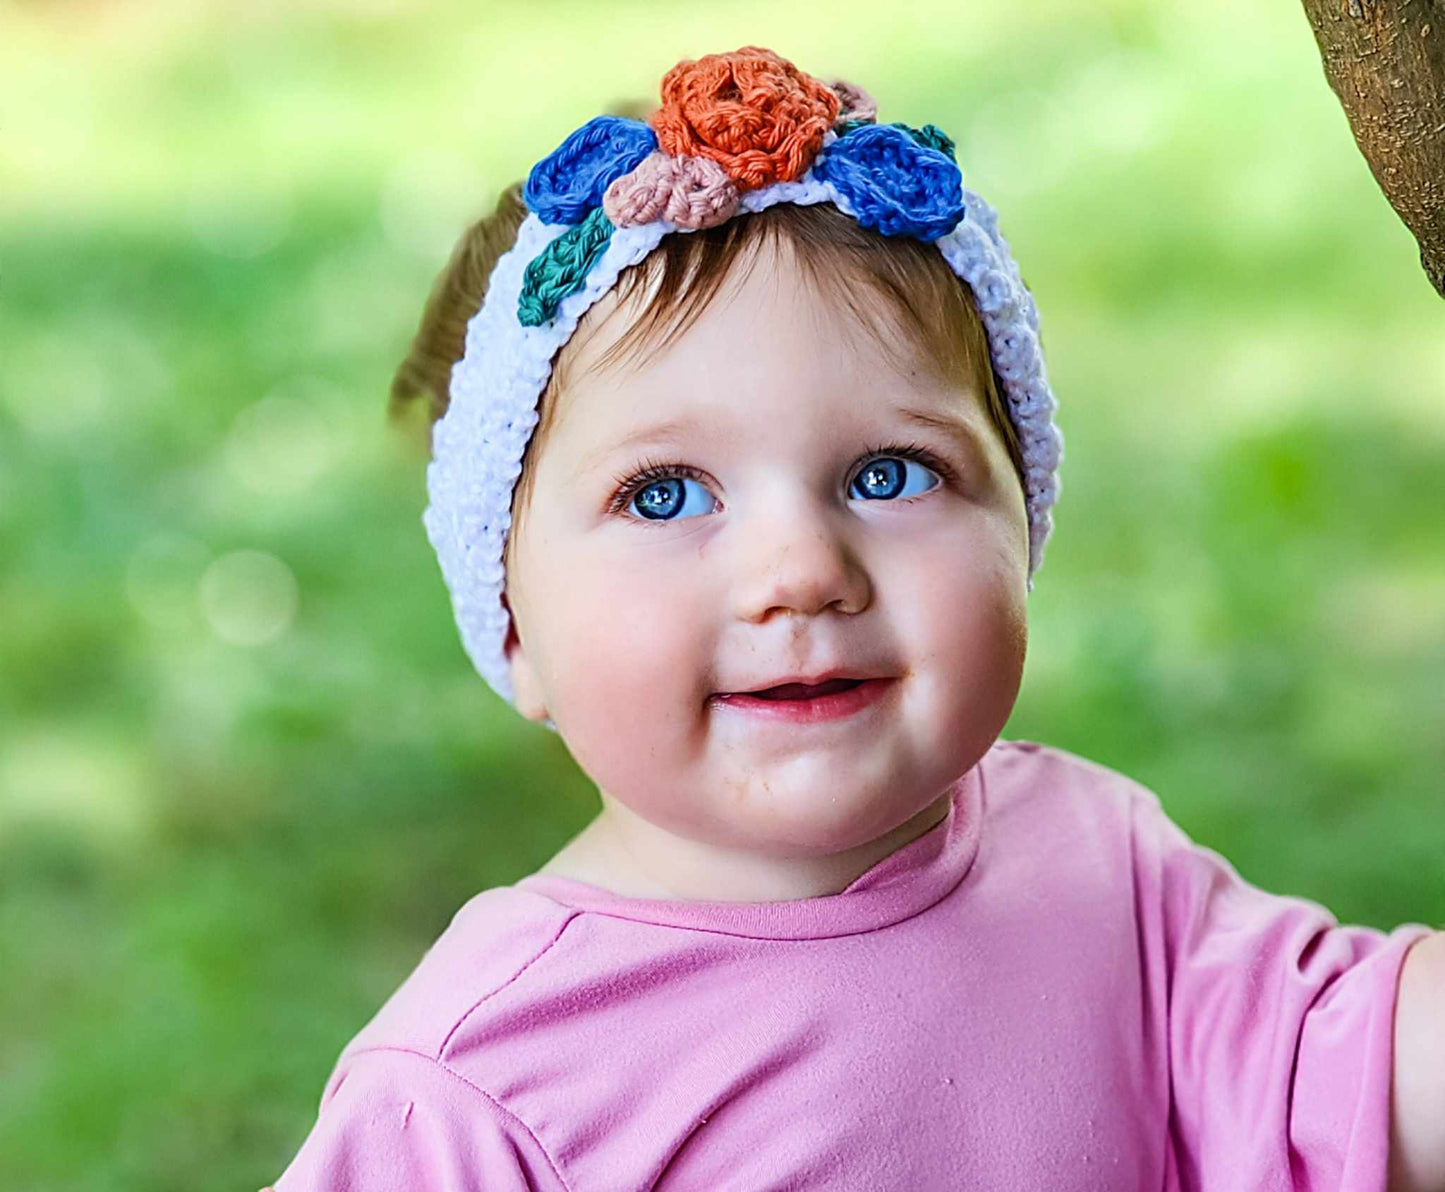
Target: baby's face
{"type": "Point", "coordinates": [792, 538]}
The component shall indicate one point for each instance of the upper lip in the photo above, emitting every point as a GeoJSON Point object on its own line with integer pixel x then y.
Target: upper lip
{"type": "Point", "coordinates": [839, 672]}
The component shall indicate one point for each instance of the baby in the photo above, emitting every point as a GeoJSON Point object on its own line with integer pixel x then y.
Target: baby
{"type": "Point", "coordinates": [749, 515]}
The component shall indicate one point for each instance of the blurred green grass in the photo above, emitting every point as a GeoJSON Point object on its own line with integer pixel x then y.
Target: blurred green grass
{"type": "Point", "coordinates": [246, 772]}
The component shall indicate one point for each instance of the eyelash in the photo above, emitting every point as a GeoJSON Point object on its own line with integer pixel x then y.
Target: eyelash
{"type": "Point", "coordinates": [651, 471]}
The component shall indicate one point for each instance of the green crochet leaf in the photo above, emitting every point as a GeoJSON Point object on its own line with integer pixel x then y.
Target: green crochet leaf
{"type": "Point", "coordinates": [929, 135]}
{"type": "Point", "coordinates": [562, 267]}
{"type": "Point", "coordinates": [934, 137]}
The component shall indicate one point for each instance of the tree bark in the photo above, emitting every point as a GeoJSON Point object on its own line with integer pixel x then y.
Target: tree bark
{"type": "Point", "coordinates": [1385, 61]}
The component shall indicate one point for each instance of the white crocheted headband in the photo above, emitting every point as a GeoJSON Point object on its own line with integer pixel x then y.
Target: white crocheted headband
{"type": "Point", "coordinates": [735, 133]}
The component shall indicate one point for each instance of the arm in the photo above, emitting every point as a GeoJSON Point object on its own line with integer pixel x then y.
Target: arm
{"type": "Point", "coordinates": [1417, 1131]}
{"type": "Point", "coordinates": [1281, 1024]}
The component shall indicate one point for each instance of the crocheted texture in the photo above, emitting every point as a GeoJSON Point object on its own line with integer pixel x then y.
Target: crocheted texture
{"type": "Point", "coordinates": [754, 113]}
{"type": "Point", "coordinates": [930, 134]}
{"type": "Point", "coordinates": [478, 444]}
{"type": "Point", "coordinates": [857, 106]}
{"type": "Point", "coordinates": [894, 183]}
{"type": "Point", "coordinates": [569, 181]}
{"type": "Point", "coordinates": [562, 267]}
{"type": "Point", "coordinates": [692, 192]}
{"type": "Point", "coordinates": [934, 137]}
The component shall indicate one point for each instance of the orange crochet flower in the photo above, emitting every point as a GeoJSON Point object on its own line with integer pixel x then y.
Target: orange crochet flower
{"type": "Point", "coordinates": [754, 113]}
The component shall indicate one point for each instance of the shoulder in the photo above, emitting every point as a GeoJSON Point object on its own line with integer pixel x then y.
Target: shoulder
{"type": "Point", "coordinates": [395, 1096]}
{"type": "Point", "coordinates": [1089, 808]}
{"type": "Point", "coordinates": [1025, 778]}
{"type": "Point", "coordinates": [398, 1119]}
{"type": "Point", "coordinates": [1058, 821]}
{"type": "Point", "coordinates": [1024, 759]}
{"type": "Point", "coordinates": [492, 940]}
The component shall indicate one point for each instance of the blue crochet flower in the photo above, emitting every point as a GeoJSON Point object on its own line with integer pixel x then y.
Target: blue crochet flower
{"type": "Point", "coordinates": [895, 184]}
{"type": "Point", "coordinates": [930, 134]}
{"type": "Point", "coordinates": [569, 181]}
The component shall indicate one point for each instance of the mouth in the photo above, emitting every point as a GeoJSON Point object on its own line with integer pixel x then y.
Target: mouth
{"type": "Point", "coordinates": [803, 691]}
{"type": "Point", "coordinates": [807, 703]}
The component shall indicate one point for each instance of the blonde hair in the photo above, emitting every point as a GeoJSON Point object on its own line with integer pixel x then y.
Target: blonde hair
{"type": "Point", "coordinates": [842, 259]}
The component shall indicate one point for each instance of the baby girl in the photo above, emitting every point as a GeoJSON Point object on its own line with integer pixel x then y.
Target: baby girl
{"type": "Point", "coordinates": [749, 515]}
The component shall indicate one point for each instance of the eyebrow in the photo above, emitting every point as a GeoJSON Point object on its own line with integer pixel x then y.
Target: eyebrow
{"type": "Point", "coordinates": [958, 429]}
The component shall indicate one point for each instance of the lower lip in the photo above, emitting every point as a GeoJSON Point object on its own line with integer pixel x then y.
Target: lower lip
{"type": "Point", "coordinates": [837, 706]}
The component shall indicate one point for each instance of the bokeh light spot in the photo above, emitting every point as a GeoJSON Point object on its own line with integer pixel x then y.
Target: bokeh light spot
{"type": "Point", "coordinates": [249, 597]}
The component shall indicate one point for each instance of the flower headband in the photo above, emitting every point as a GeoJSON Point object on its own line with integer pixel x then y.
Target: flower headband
{"type": "Point", "coordinates": [736, 133]}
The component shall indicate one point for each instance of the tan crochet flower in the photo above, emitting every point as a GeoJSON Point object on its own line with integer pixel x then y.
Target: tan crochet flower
{"type": "Point", "coordinates": [692, 192]}
{"type": "Point", "coordinates": [855, 102]}
{"type": "Point", "coordinates": [754, 113]}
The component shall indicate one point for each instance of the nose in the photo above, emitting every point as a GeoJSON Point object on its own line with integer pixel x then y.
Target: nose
{"type": "Point", "coordinates": [797, 562]}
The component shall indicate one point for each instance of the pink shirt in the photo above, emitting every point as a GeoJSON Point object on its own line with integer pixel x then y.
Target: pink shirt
{"type": "Point", "coordinates": [1052, 988]}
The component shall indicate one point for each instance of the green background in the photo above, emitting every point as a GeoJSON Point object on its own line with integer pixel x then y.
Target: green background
{"type": "Point", "coordinates": [246, 772]}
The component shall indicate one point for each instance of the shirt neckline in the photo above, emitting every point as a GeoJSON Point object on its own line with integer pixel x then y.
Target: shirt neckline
{"type": "Point", "coordinates": [903, 884]}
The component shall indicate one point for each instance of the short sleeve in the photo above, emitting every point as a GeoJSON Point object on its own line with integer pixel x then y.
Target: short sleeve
{"type": "Point", "coordinates": [1280, 1023]}
{"type": "Point", "coordinates": [398, 1121]}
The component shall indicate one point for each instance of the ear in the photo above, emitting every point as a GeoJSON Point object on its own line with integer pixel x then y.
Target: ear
{"type": "Point", "coordinates": [527, 692]}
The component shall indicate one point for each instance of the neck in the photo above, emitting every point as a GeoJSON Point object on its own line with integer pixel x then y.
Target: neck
{"type": "Point", "coordinates": [651, 862]}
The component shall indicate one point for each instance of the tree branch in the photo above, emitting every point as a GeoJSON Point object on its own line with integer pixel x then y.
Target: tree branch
{"type": "Point", "coordinates": [1385, 62]}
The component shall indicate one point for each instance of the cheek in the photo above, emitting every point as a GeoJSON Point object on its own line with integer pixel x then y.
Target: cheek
{"type": "Point", "coordinates": [629, 656]}
{"type": "Point", "coordinates": [969, 622]}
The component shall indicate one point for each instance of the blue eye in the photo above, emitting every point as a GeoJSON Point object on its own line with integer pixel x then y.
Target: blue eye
{"type": "Point", "coordinates": [665, 499]}
{"type": "Point", "coordinates": [659, 492]}
{"type": "Point", "coordinates": [883, 478]}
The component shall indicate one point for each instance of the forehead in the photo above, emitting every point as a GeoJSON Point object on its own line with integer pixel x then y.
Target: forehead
{"type": "Point", "coordinates": [767, 397]}
{"type": "Point", "coordinates": [768, 346]}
